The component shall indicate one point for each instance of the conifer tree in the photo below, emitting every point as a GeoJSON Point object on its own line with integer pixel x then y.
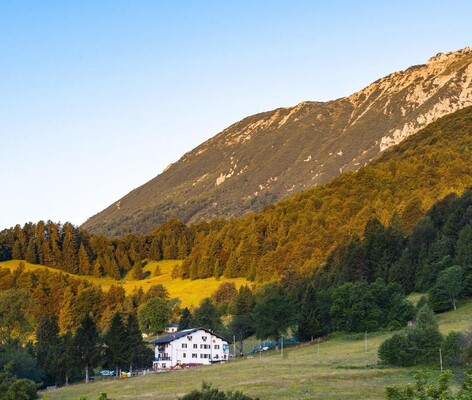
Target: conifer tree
{"type": "Point", "coordinates": [87, 345]}
{"type": "Point", "coordinates": [138, 270]}
{"type": "Point", "coordinates": [116, 344]}
{"type": "Point", "coordinates": [47, 346]}
{"type": "Point", "coordinates": [67, 312]}
{"type": "Point", "coordinates": [84, 261]}
{"type": "Point", "coordinates": [139, 354]}
{"type": "Point", "coordinates": [31, 253]}
{"type": "Point", "coordinates": [66, 357]}
{"type": "Point", "coordinates": [185, 319]}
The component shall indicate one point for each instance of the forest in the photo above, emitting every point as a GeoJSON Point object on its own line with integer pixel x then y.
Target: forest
{"type": "Point", "coordinates": [361, 287]}
{"type": "Point", "coordinates": [340, 257]}
{"type": "Point", "coordinates": [300, 232]}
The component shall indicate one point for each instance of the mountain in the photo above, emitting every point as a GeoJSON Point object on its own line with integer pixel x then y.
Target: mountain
{"type": "Point", "coordinates": [275, 154]}
{"type": "Point", "coordinates": [299, 233]}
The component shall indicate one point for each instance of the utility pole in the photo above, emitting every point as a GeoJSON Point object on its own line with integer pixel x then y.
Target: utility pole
{"type": "Point", "coordinates": [282, 346]}
{"type": "Point", "coordinates": [440, 359]}
{"type": "Point", "coordinates": [234, 347]}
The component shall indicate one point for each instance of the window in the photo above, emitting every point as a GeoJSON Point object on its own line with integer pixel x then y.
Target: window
{"type": "Point", "coordinates": [184, 355]}
{"type": "Point", "coordinates": [195, 346]}
{"type": "Point", "coordinates": [194, 355]}
{"type": "Point", "coordinates": [189, 338]}
{"type": "Point", "coordinates": [204, 338]}
{"type": "Point", "coordinates": [204, 346]}
{"type": "Point", "coordinates": [184, 345]}
{"type": "Point", "coordinates": [217, 346]}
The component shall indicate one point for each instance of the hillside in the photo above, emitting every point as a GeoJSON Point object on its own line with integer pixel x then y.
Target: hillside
{"type": "Point", "coordinates": [190, 292]}
{"type": "Point", "coordinates": [273, 155]}
{"type": "Point", "coordinates": [300, 232]}
{"type": "Point", "coordinates": [334, 370]}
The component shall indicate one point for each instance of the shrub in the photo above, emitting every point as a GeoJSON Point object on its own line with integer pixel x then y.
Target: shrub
{"type": "Point", "coordinates": [207, 392]}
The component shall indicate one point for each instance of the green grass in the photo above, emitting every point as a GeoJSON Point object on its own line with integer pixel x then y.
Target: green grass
{"type": "Point", "coordinates": [342, 367]}
{"type": "Point", "coordinates": [337, 371]}
{"type": "Point", "coordinates": [189, 291]}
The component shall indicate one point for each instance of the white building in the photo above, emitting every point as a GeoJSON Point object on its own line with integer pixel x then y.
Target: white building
{"type": "Point", "coordinates": [172, 328]}
{"type": "Point", "coordinates": [196, 346]}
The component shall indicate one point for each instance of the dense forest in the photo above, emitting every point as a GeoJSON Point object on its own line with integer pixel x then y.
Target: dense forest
{"type": "Point", "coordinates": [395, 190]}
{"type": "Point", "coordinates": [405, 181]}
{"type": "Point", "coordinates": [73, 250]}
{"type": "Point", "coordinates": [361, 287]}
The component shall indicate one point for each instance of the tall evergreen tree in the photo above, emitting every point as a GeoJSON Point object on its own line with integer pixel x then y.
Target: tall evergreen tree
{"type": "Point", "coordinates": [116, 344]}
{"type": "Point", "coordinates": [139, 354]}
{"type": "Point", "coordinates": [87, 345]}
{"type": "Point", "coordinates": [67, 317]}
{"type": "Point", "coordinates": [47, 347]}
{"type": "Point", "coordinates": [31, 252]}
{"type": "Point", "coordinates": [85, 267]}
{"type": "Point", "coordinates": [185, 319]}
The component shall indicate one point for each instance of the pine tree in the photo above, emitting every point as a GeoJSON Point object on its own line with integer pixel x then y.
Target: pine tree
{"type": "Point", "coordinates": [47, 346]}
{"type": "Point", "coordinates": [139, 354]}
{"type": "Point", "coordinates": [84, 261]}
{"type": "Point", "coordinates": [16, 252]}
{"type": "Point", "coordinates": [87, 345]}
{"type": "Point", "coordinates": [31, 253]}
{"type": "Point", "coordinates": [138, 270]}
{"type": "Point", "coordinates": [185, 319]}
{"type": "Point", "coordinates": [116, 341]}
{"type": "Point", "coordinates": [67, 313]}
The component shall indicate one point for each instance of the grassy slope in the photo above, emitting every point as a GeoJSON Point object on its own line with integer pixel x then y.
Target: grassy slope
{"type": "Point", "coordinates": [335, 370]}
{"type": "Point", "coordinates": [189, 291]}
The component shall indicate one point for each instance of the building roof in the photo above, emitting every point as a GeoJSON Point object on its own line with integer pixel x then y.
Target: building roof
{"type": "Point", "coordinates": [185, 332]}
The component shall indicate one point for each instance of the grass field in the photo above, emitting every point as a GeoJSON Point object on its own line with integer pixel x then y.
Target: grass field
{"type": "Point", "coordinates": [335, 370]}
{"type": "Point", "coordinates": [189, 291]}
{"type": "Point", "coordinates": [343, 367]}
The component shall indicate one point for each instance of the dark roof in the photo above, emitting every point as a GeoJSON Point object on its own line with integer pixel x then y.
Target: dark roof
{"type": "Point", "coordinates": [185, 332]}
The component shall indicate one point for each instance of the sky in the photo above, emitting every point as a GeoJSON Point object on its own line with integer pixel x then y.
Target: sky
{"type": "Point", "coordinates": [98, 97]}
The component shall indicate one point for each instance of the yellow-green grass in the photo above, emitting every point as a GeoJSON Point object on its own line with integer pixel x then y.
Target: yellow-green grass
{"type": "Point", "coordinates": [191, 292]}
{"type": "Point", "coordinates": [334, 370]}
{"type": "Point", "coordinates": [459, 320]}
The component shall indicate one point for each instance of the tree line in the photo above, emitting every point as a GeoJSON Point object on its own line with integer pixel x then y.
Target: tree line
{"type": "Point", "coordinates": [73, 250]}
{"type": "Point", "coordinates": [401, 185]}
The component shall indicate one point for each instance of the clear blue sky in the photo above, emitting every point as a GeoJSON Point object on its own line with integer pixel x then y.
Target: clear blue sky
{"type": "Point", "coordinates": [97, 97]}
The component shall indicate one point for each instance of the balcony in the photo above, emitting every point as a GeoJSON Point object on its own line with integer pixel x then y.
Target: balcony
{"type": "Point", "coordinates": [161, 358]}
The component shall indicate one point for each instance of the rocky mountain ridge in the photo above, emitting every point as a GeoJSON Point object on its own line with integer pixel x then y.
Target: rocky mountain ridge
{"type": "Point", "coordinates": [272, 155]}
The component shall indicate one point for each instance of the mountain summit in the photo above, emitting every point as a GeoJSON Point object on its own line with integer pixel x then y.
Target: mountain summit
{"type": "Point", "coordinates": [272, 155]}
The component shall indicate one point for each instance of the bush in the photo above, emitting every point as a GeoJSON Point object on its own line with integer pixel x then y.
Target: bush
{"type": "Point", "coordinates": [209, 393]}
{"type": "Point", "coordinates": [416, 345]}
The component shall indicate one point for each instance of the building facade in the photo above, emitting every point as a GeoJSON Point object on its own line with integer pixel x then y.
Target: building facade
{"type": "Point", "coordinates": [196, 346]}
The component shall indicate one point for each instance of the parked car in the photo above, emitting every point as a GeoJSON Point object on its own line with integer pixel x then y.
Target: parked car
{"type": "Point", "coordinates": [106, 372]}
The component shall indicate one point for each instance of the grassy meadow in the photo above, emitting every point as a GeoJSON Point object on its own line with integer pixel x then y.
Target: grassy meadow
{"type": "Point", "coordinates": [342, 367]}
{"type": "Point", "coordinates": [334, 370]}
{"type": "Point", "coordinates": [189, 291]}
